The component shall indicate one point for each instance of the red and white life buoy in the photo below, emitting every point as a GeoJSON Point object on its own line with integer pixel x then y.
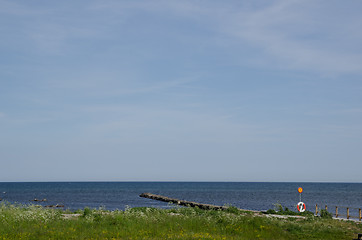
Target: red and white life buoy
{"type": "Point", "coordinates": [301, 206]}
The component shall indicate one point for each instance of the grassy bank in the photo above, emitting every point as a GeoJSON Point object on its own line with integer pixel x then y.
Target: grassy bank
{"type": "Point", "coordinates": [31, 222]}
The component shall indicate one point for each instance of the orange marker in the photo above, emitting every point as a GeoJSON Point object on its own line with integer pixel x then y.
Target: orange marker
{"type": "Point", "coordinates": [300, 190]}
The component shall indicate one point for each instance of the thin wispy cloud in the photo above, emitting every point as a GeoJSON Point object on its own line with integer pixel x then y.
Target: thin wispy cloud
{"type": "Point", "coordinates": [296, 35]}
{"type": "Point", "coordinates": [289, 34]}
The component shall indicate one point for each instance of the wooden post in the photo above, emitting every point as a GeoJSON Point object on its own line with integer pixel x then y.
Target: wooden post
{"type": "Point", "coordinates": [336, 211]}
{"type": "Point", "coordinates": [326, 208]}
{"type": "Point", "coordinates": [316, 209]}
{"type": "Point", "coordinates": [360, 216]}
{"type": "Point", "coordinates": [347, 213]}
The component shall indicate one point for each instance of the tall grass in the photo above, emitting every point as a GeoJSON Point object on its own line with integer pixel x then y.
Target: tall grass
{"type": "Point", "coordinates": [31, 222]}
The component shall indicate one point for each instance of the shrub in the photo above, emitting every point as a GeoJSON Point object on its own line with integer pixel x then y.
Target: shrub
{"type": "Point", "coordinates": [271, 211]}
{"type": "Point", "coordinates": [232, 209]}
{"type": "Point", "coordinates": [306, 213]}
{"type": "Point", "coordinates": [87, 212]}
{"type": "Point", "coordinates": [325, 214]}
{"type": "Point", "coordinates": [279, 209]}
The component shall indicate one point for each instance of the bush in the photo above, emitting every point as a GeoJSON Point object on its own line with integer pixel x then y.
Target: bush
{"type": "Point", "coordinates": [306, 213]}
{"type": "Point", "coordinates": [87, 212]}
{"type": "Point", "coordinates": [287, 211]}
{"type": "Point", "coordinates": [279, 209]}
{"type": "Point", "coordinates": [325, 214]}
{"type": "Point", "coordinates": [271, 211]}
{"type": "Point", "coordinates": [232, 209]}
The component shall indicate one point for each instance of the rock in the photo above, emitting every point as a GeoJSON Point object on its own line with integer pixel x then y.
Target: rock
{"type": "Point", "coordinates": [39, 200]}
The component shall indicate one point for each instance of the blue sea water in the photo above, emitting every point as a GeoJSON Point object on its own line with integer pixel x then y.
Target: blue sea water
{"type": "Point", "coordinates": [245, 195]}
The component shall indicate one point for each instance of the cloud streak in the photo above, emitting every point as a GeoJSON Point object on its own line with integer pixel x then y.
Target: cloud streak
{"type": "Point", "coordinates": [305, 36]}
{"type": "Point", "coordinates": [292, 34]}
{"type": "Point", "coordinates": [298, 36]}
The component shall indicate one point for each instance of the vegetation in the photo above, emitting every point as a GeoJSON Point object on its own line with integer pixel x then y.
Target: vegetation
{"type": "Point", "coordinates": [325, 214]}
{"type": "Point", "coordinates": [32, 222]}
{"type": "Point", "coordinates": [278, 209]}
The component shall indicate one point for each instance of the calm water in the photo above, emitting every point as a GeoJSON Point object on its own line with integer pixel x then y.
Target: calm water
{"type": "Point", "coordinates": [246, 195]}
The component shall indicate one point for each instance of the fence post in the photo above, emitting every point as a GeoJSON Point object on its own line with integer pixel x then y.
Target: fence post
{"type": "Point", "coordinates": [316, 209]}
{"type": "Point", "coordinates": [360, 217]}
{"type": "Point", "coordinates": [347, 213]}
{"type": "Point", "coordinates": [336, 211]}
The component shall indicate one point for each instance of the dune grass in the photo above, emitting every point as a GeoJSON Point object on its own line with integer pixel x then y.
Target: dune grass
{"type": "Point", "coordinates": [32, 222]}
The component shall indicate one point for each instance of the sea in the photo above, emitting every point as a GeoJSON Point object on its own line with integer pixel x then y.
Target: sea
{"type": "Point", "coordinates": [245, 195]}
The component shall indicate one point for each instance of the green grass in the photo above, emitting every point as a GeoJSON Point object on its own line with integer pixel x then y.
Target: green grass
{"type": "Point", "coordinates": [31, 222]}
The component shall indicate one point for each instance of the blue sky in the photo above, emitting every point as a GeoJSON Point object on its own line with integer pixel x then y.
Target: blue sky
{"type": "Point", "coordinates": [181, 90]}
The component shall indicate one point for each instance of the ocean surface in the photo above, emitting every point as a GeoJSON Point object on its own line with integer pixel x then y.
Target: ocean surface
{"type": "Point", "coordinates": [245, 195]}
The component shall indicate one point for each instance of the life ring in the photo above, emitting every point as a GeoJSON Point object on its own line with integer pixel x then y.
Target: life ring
{"type": "Point", "coordinates": [301, 206]}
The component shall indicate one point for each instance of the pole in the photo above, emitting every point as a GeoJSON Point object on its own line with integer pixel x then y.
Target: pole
{"type": "Point", "coordinates": [347, 213]}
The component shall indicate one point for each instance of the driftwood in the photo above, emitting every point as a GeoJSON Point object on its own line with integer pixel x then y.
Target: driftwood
{"type": "Point", "coordinates": [183, 202]}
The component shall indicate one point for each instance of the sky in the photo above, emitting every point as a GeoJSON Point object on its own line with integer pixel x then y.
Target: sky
{"type": "Point", "coordinates": [163, 90]}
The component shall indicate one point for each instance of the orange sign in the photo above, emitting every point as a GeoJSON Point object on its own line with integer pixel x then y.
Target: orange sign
{"type": "Point", "coordinates": [300, 190]}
